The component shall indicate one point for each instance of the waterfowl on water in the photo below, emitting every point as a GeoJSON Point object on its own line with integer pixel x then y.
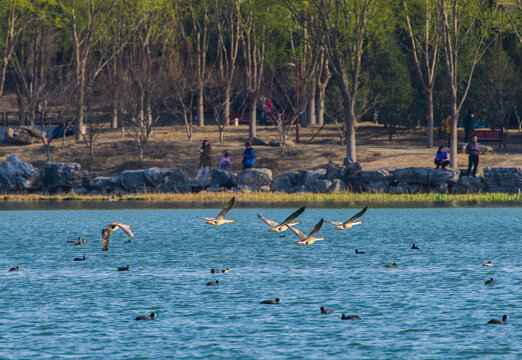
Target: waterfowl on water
{"type": "Point", "coordinates": [214, 271]}
{"type": "Point", "coordinates": [278, 227]}
{"type": "Point", "coordinates": [359, 252]}
{"type": "Point", "coordinates": [145, 317]}
{"type": "Point", "coordinates": [276, 301]}
{"type": "Point", "coordinates": [81, 241]}
{"type": "Point", "coordinates": [75, 241]}
{"type": "Point", "coordinates": [81, 259]}
{"type": "Point", "coordinates": [16, 268]}
{"type": "Point", "coordinates": [350, 317]}
{"type": "Point", "coordinates": [489, 263]}
{"type": "Point", "coordinates": [220, 218]}
{"type": "Point", "coordinates": [125, 268]}
{"type": "Point", "coordinates": [213, 283]}
{"type": "Point", "coordinates": [497, 321]}
{"type": "Point", "coordinates": [106, 233]}
{"type": "Point", "coordinates": [350, 222]}
{"type": "Point", "coordinates": [128, 241]}
{"type": "Point", "coordinates": [415, 247]}
{"type": "Point", "coordinates": [490, 282]}
{"type": "Point", "coordinates": [225, 271]}
{"type": "Point", "coordinates": [391, 265]}
{"type": "Point", "coordinates": [310, 239]}
{"type": "Point", "coordinates": [282, 236]}
{"type": "Point", "coordinates": [325, 310]}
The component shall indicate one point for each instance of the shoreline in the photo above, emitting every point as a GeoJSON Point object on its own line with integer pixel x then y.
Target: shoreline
{"type": "Point", "coordinates": [257, 199]}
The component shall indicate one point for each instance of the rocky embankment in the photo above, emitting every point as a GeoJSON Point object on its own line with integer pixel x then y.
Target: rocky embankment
{"type": "Point", "coordinates": [17, 176]}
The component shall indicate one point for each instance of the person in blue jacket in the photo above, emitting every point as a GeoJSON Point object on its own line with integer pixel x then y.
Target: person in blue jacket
{"type": "Point", "coordinates": [248, 156]}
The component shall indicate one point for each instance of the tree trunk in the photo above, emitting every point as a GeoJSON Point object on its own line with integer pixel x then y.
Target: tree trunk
{"type": "Point", "coordinates": [453, 124]}
{"type": "Point", "coordinates": [221, 131]}
{"type": "Point", "coordinates": [349, 119]}
{"type": "Point", "coordinates": [114, 122]}
{"type": "Point", "coordinates": [320, 104]}
{"type": "Point", "coordinates": [429, 118]}
{"type": "Point", "coordinates": [311, 105]}
{"type": "Point", "coordinates": [201, 109]}
{"type": "Point", "coordinates": [252, 130]}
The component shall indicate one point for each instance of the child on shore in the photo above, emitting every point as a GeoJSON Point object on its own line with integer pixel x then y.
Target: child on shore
{"type": "Point", "coordinates": [224, 163]}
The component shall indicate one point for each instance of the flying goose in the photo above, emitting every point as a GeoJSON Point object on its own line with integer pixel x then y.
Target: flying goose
{"type": "Point", "coordinates": [278, 227]}
{"type": "Point", "coordinates": [350, 222]}
{"type": "Point", "coordinates": [106, 233]}
{"type": "Point", "coordinates": [220, 219]}
{"type": "Point", "coordinates": [310, 239]}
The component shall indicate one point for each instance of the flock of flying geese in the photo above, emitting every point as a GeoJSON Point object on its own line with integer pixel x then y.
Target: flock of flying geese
{"type": "Point", "coordinates": [287, 223]}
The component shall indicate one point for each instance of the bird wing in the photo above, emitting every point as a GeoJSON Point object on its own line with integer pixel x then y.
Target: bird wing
{"type": "Point", "coordinates": [356, 216]}
{"type": "Point", "coordinates": [338, 223]}
{"type": "Point", "coordinates": [316, 228]}
{"type": "Point", "coordinates": [294, 215]}
{"type": "Point", "coordinates": [106, 237]}
{"type": "Point", "coordinates": [126, 228]}
{"type": "Point", "coordinates": [266, 221]}
{"type": "Point", "coordinates": [299, 233]}
{"type": "Point", "coordinates": [205, 218]}
{"type": "Point", "coordinates": [226, 209]}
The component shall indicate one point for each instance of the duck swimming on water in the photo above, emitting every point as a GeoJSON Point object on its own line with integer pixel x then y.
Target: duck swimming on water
{"type": "Point", "coordinates": [124, 268]}
{"type": "Point", "coordinates": [359, 252]}
{"type": "Point", "coordinates": [325, 310]}
{"type": "Point", "coordinates": [81, 259]}
{"type": "Point", "coordinates": [497, 321]}
{"type": "Point", "coordinates": [415, 247]}
{"type": "Point", "coordinates": [394, 265]}
{"type": "Point", "coordinates": [489, 263]}
{"type": "Point", "coordinates": [490, 282]}
{"type": "Point", "coordinates": [13, 269]}
{"type": "Point", "coordinates": [272, 302]}
{"type": "Point", "coordinates": [350, 317]}
{"type": "Point", "coordinates": [144, 317]}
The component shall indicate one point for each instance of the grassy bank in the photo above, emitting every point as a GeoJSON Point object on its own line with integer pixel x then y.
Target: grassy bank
{"type": "Point", "coordinates": [275, 199]}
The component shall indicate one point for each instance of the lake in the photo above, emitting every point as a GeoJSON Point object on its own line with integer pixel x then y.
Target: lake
{"type": "Point", "coordinates": [434, 304]}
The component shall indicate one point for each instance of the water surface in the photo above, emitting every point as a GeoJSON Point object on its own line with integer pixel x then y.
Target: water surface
{"type": "Point", "coordinates": [433, 305]}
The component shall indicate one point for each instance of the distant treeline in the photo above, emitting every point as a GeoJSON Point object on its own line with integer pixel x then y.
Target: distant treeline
{"type": "Point", "coordinates": [398, 62]}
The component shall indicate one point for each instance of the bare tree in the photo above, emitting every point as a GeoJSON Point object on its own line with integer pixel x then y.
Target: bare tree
{"type": "Point", "coordinates": [459, 29]}
{"type": "Point", "coordinates": [425, 45]}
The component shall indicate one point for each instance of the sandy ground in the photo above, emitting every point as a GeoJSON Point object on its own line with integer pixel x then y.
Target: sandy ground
{"type": "Point", "coordinates": [168, 147]}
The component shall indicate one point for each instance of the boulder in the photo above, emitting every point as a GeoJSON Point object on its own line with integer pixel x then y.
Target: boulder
{"type": "Point", "coordinates": [105, 185]}
{"type": "Point", "coordinates": [503, 179]}
{"type": "Point", "coordinates": [133, 181]}
{"type": "Point", "coordinates": [467, 185]}
{"type": "Point", "coordinates": [255, 178]}
{"type": "Point", "coordinates": [63, 176]}
{"type": "Point", "coordinates": [286, 182]}
{"type": "Point", "coordinates": [224, 178]}
{"type": "Point", "coordinates": [335, 172]}
{"type": "Point", "coordinates": [320, 186]}
{"type": "Point", "coordinates": [197, 185]}
{"type": "Point", "coordinates": [173, 188]}
{"type": "Point", "coordinates": [311, 176]}
{"type": "Point", "coordinates": [171, 176]}
{"type": "Point", "coordinates": [18, 175]}
{"type": "Point", "coordinates": [25, 135]}
{"type": "Point", "coordinates": [337, 186]}
{"type": "Point", "coordinates": [373, 181]}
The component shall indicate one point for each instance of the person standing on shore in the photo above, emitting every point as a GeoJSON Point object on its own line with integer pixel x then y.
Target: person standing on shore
{"type": "Point", "coordinates": [473, 149]}
{"type": "Point", "coordinates": [204, 160]}
{"type": "Point", "coordinates": [248, 156]}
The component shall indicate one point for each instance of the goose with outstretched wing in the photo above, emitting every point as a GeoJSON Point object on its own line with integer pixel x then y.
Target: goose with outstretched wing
{"type": "Point", "coordinates": [310, 239]}
{"type": "Point", "coordinates": [107, 231]}
{"type": "Point", "coordinates": [278, 227]}
{"type": "Point", "coordinates": [350, 222]}
{"type": "Point", "coordinates": [220, 218]}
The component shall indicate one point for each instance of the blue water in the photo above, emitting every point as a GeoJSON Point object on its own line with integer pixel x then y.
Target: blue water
{"type": "Point", "coordinates": [433, 305]}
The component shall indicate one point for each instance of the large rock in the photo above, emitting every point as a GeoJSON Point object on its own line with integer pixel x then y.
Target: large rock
{"type": "Point", "coordinates": [373, 181]}
{"type": "Point", "coordinates": [286, 182]}
{"type": "Point", "coordinates": [63, 176]}
{"type": "Point", "coordinates": [25, 135]}
{"type": "Point", "coordinates": [174, 176]}
{"type": "Point", "coordinates": [18, 175]}
{"type": "Point", "coordinates": [503, 179]}
{"type": "Point", "coordinates": [311, 176]}
{"type": "Point", "coordinates": [337, 186]}
{"type": "Point", "coordinates": [467, 185]}
{"type": "Point", "coordinates": [320, 186]}
{"type": "Point", "coordinates": [224, 178]}
{"type": "Point", "coordinates": [255, 178]}
{"type": "Point", "coordinates": [133, 181]}
{"type": "Point", "coordinates": [104, 185]}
